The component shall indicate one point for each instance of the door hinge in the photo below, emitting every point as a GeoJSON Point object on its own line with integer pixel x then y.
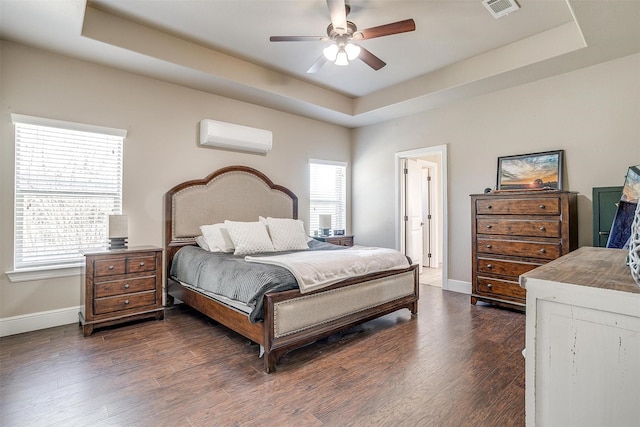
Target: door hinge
{"type": "Point", "coordinates": [428, 177]}
{"type": "Point", "coordinates": [406, 218]}
{"type": "Point", "coordinates": [428, 255]}
{"type": "Point", "coordinates": [406, 171]}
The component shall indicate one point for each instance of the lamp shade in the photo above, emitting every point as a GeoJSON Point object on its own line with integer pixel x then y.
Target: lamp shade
{"type": "Point", "coordinates": [324, 221]}
{"type": "Point", "coordinates": [118, 226]}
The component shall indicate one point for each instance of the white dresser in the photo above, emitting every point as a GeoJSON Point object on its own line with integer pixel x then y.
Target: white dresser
{"type": "Point", "coordinates": [583, 341]}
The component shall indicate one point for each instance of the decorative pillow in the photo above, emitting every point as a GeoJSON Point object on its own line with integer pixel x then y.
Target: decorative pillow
{"type": "Point", "coordinates": [287, 234]}
{"type": "Point", "coordinates": [202, 243]}
{"type": "Point", "coordinates": [249, 237]}
{"type": "Point", "coordinates": [217, 238]}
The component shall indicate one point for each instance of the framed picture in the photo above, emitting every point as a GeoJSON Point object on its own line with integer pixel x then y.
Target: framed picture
{"type": "Point", "coordinates": [536, 171]}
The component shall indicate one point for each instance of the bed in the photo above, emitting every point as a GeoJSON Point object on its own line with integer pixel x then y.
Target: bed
{"type": "Point", "coordinates": [290, 319]}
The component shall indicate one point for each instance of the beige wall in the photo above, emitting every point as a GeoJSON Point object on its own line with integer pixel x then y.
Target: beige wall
{"type": "Point", "coordinates": [593, 114]}
{"type": "Point", "coordinates": [160, 150]}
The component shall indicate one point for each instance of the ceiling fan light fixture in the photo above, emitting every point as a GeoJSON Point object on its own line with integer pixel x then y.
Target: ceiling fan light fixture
{"type": "Point", "coordinates": [330, 52]}
{"type": "Point", "coordinates": [342, 58]}
{"type": "Point", "coordinates": [352, 50]}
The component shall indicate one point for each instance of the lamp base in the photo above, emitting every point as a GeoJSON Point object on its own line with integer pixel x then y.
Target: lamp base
{"type": "Point", "coordinates": [325, 232]}
{"type": "Point", "coordinates": [118, 243]}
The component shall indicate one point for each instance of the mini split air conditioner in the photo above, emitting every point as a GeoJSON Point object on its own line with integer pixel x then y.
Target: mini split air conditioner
{"type": "Point", "coordinates": [234, 137]}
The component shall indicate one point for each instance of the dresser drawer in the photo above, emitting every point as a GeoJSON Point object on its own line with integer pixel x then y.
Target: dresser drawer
{"type": "Point", "coordinates": [139, 264]}
{"type": "Point", "coordinates": [118, 287]}
{"type": "Point", "coordinates": [528, 206]}
{"type": "Point", "coordinates": [124, 302]}
{"type": "Point", "coordinates": [503, 267]}
{"type": "Point", "coordinates": [521, 248]}
{"type": "Point", "coordinates": [109, 267]}
{"type": "Point", "coordinates": [519, 227]}
{"type": "Point", "coordinates": [486, 285]}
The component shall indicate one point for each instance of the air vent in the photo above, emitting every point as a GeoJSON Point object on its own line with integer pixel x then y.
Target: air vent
{"type": "Point", "coordinates": [499, 8]}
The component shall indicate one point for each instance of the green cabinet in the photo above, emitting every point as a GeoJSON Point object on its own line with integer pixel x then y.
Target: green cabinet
{"type": "Point", "coordinates": [605, 200]}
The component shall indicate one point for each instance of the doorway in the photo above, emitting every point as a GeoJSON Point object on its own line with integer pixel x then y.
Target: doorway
{"type": "Point", "coordinates": [422, 211]}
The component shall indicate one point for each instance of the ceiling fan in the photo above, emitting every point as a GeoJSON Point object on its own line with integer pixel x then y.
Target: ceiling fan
{"type": "Point", "coordinates": [343, 33]}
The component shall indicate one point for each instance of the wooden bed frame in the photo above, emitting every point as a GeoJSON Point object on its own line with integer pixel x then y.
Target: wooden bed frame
{"type": "Point", "coordinates": [291, 319]}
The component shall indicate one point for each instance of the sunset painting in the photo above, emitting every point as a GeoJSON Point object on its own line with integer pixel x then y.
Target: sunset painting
{"type": "Point", "coordinates": [530, 171]}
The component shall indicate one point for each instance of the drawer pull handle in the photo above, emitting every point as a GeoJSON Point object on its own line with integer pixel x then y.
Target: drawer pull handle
{"type": "Point", "coordinates": [542, 206]}
{"type": "Point", "coordinates": [126, 286]}
{"type": "Point", "coordinates": [489, 266]}
{"type": "Point", "coordinates": [543, 251]}
{"type": "Point", "coordinates": [126, 302]}
{"type": "Point", "coordinates": [489, 226]}
{"type": "Point", "coordinates": [488, 246]}
{"type": "Point", "coordinates": [141, 264]}
{"type": "Point", "coordinates": [111, 267]}
{"type": "Point", "coordinates": [542, 229]}
{"type": "Point", "coordinates": [489, 285]}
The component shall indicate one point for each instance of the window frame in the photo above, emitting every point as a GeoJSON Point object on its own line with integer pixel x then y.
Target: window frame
{"type": "Point", "coordinates": [336, 223]}
{"type": "Point", "coordinates": [56, 268]}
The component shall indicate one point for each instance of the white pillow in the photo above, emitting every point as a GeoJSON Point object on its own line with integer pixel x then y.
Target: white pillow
{"type": "Point", "coordinates": [202, 243]}
{"type": "Point", "coordinates": [249, 237]}
{"type": "Point", "coordinates": [287, 234]}
{"type": "Point", "coordinates": [217, 238]}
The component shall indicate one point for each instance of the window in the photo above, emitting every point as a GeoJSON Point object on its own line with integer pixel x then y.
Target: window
{"type": "Point", "coordinates": [68, 179]}
{"type": "Point", "coordinates": [328, 193]}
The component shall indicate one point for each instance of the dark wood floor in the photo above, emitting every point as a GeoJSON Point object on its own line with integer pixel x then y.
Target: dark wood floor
{"type": "Point", "coordinates": [453, 365]}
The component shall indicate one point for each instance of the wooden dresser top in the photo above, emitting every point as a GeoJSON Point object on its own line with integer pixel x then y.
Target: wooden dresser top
{"type": "Point", "coordinates": [588, 266]}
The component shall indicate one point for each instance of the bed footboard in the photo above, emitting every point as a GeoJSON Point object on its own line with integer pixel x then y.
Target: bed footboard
{"type": "Point", "coordinates": [332, 310]}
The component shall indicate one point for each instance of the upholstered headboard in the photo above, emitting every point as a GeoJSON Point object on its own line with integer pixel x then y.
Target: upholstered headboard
{"type": "Point", "coordinates": [237, 193]}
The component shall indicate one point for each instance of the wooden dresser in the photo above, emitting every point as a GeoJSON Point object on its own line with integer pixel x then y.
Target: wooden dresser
{"type": "Point", "coordinates": [514, 232]}
{"type": "Point", "coordinates": [121, 285]}
{"type": "Point", "coordinates": [583, 341]}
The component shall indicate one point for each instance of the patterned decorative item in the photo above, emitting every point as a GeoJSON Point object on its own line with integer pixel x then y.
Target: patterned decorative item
{"type": "Point", "coordinates": [634, 247]}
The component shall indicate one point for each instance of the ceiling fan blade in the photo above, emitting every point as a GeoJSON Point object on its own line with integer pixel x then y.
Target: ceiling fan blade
{"type": "Point", "coordinates": [370, 59]}
{"type": "Point", "coordinates": [386, 30]}
{"type": "Point", "coordinates": [297, 38]}
{"type": "Point", "coordinates": [315, 67]}
{"type": "Point", "coordinates": [338, 14]}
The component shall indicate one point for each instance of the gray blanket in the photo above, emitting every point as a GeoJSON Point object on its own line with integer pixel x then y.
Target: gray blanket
{"type": "Point", "coordinates": [231, 276]}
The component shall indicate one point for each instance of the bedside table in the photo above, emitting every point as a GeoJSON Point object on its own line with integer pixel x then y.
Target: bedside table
{"type": "Point", "coordinates": [121, 285]}
{"type": "Point", "coordinates": [346, 240]}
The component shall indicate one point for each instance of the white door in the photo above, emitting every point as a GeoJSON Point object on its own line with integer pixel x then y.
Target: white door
{"type": "Point", "coordinates": [413, 217]}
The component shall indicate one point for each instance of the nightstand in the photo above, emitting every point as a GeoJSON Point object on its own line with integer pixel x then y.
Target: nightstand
{"type": "Point", "coordinates": [121, 285]}
{"type": "Point", "coordinates": [346, 240]}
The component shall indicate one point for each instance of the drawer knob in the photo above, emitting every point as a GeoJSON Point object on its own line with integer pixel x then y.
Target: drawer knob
{"type": "Point", "coordinates": [489, 226]}
{"type": "Point", "coordinates": [111, 267]}
{"type": "Point", "coordinates": [126, 302]}
{"type": "Point", "coordinates": [126, 286]}
{"type": "Point", "coordinates": [542, 206]}
{"type": "Point", "coordinates": [543, 251]}
{"type": "Point", "coordinates": [488, 246]}
{"type": "Point", "coordinates": [489, 206]}
{"type": "Point", "coordinates": [489, 265]}
{"type": "Point", "coordinates": [489, 285]}
{"type": "Point", "coordinates": [141, 264]}
{"type": "Point", "coordinates": [542, 229]}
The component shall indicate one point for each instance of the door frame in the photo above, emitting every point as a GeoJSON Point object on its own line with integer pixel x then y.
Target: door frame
{"type": "Point", "coordinates": [442, 187]}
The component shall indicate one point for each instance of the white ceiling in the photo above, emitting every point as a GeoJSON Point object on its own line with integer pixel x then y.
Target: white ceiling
{"type": "Point", "coordinates": [222, 46]}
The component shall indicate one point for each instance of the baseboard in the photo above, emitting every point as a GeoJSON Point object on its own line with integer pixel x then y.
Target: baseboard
{"type": "Point", "coordinates": [35, 321]}
{"type": "Point", "coordinates": [459, 286]}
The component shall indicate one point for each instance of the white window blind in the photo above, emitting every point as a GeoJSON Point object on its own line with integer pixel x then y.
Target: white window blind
{"type": "Point", "coordinates": [68, 179]}
{"type": "Point", "coordinates": [328, 193]}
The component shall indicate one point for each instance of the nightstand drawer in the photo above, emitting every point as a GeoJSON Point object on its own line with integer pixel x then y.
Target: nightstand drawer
{"type": "Point", "coordinates": [118, 287]}
{"type": "Point", "coordinates": [139, 264]}
{"type": "Point", "coordinates": [125, 302]}
{"type": "Point", "coordinates": [109, 267]}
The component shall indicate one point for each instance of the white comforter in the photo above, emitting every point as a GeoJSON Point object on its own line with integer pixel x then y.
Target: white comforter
{"type": "Point", "coordinates": [318, 269]}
